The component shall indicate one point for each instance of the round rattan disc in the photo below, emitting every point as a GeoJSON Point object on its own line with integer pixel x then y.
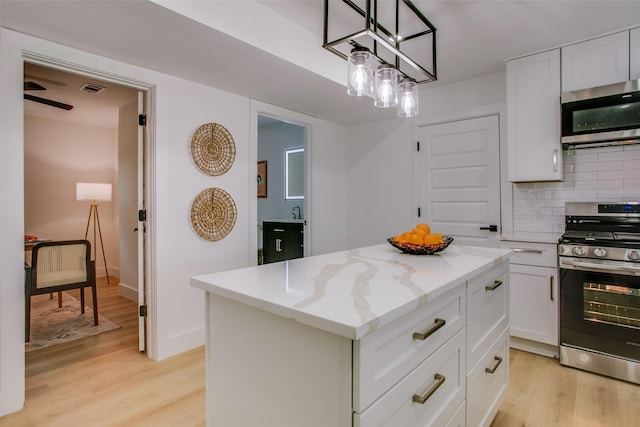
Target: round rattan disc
{"type": "Point", "coordinates": [213, 214]}
{"type": "Point", "coordinates": [213, 149]}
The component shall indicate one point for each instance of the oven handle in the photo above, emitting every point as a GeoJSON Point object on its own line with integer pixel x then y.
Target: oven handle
{"type": "Point", "coordinates": [573, 264]}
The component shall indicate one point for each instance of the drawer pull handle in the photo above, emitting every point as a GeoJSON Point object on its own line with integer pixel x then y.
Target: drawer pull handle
{"type": "Point", "coordinates": [438, 323]}
{"type": "Point", "coordinates": [280, 230]}
{"type": "Point", "coordinates": [497, 360]}
{"type": "Point", "coordinates": [496, 284]}
{"type": "Point", "coordinates": [438, 380]}
{"type": "Point", "coordinates": [530, 251]}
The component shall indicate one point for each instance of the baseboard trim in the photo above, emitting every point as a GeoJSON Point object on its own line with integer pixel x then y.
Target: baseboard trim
{"type": "Point", "coordinates": [127, 292]}
{"type": "Point", "coordinates": [535, 347]}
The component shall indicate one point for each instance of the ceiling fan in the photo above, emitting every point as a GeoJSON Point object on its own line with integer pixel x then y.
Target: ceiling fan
{"type": "Point", "coordinates": [29, 86]}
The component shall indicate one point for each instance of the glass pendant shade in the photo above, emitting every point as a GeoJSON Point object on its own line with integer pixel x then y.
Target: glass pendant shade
{"type": "Point", "coordinates": [385, 86]}
{"type": "Point", "coordinates": [407, 98]}
{"type": "Point", "coordinates": [360, 78]}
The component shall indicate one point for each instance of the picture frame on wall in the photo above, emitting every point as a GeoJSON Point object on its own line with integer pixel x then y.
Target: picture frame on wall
{"type": "Point", "coordinates": [262, 179]}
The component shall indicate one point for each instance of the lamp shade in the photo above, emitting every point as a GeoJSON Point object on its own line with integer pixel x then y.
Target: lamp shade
{"type": "Point", "coordinates": [93, 191]}
{"type": "Point", "coordinates": [360, 78]}
{"type": "Point", "coordinates": [407, 98]}
{"type": "Point", "coordinates": [385, 86]}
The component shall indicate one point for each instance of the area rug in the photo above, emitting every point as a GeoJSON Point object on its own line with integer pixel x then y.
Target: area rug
{"type": "Point", "coordinates": [51, 325]}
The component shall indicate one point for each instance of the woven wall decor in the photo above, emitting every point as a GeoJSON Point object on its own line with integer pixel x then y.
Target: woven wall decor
{"type": "Point", "coordinates": [213, 149]}
{"type": "Point", "coordinates": [213, 214]}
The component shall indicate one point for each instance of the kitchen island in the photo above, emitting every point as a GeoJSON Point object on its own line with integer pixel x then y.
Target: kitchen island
{"type": "Point", "coordinates": [363, 337]}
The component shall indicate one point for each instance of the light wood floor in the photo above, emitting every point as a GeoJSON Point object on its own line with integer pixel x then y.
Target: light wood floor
{"type": "Point", "coordinates": [543, 393]}
{"type": "Point", "coordinates": [105, 381]}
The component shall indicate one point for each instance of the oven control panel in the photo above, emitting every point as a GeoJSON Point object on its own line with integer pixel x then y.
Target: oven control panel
{"type": "Point", "coordinates": [598, 252]}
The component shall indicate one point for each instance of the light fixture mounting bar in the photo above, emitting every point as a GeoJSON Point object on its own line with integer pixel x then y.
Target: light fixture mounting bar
{"type": "Point", "coordinates": [413, 54]}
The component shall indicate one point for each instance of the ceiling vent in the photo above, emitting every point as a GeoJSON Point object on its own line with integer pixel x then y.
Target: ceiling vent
{"type": "Point", "coordinates": [91, 88]}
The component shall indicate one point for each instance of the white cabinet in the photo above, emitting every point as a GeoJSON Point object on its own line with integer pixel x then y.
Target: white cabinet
{"type": "Point", "coordinates": [533, 118]}
{"type": "Point", "coordinates": [534, 297]}
{"type": "Point", "coordinates": [428, 396]}
{"type": "Point", "coordinates": [487, 345]}
{"type": "Point", "coordinates": [596, 62]}
{"type": "Point", "coordinates": [487, 383]}
{"type": "Point", "coordinates": [383, 358]}
{"type": "Point", "coordinates": [264, 369]}
{"type": "Point", "coordinates": [634, 51]}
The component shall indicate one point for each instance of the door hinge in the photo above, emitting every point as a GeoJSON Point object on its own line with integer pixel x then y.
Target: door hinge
{"type": "Point", "coordinates": [419, 212]}
{"type": "Point", "coordinates": [142, 215]}
{"type": "Point", "coordinates": [142, 119]}
{"type": "Point", "coordinates": [418, 146]}
{"type": "Point", "coordinates": [143, 311]}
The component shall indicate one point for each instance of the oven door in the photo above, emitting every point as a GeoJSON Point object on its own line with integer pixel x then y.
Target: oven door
{"type": "Point", "coordinates": [600, 306]}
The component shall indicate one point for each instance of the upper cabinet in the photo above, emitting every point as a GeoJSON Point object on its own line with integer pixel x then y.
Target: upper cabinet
{"type": "Point", "coordinates": [533, 117]}
{"type": "Point", "coordinates": [596, 62]}
{"type": "Point", "coordinates": [634, 58]}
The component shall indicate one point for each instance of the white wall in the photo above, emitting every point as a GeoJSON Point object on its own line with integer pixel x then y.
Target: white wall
{"type": "Point", "coordinates": [176, 319]}
{"type": "Point", "coordinates": [380, 157]}
{"type": "Point", "coordinates": [57, 155]}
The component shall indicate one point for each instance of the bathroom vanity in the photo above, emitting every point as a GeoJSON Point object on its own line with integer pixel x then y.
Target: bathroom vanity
{"type": "Point", "coordinates": [363, 337]}
{"type": "Point", "coordinates": [282, 240]}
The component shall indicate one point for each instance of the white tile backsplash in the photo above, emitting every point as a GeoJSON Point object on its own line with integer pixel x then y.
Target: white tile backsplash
{"type": "Point", "coordinates": [608, 174]}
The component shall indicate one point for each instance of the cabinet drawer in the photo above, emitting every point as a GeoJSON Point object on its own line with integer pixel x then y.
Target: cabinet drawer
{"type": "Point", "coordinates": [487, 311]}
{"type": "Point", "coordinates": [487, 383]}
{"type": "Point", "coordinates": [539, 254]}
{"type": "Point", "coordinates": [382, 358]}
{"type": "Point", "coordinates": [459, 419]}
{"type": "Point", "coordinates": [444, 370]}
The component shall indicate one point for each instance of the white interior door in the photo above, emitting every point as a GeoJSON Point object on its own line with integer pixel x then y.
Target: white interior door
{"type": "Point", "coordinates": [459, 179]}
{"type": "Point", "coordinates": [141, 228]}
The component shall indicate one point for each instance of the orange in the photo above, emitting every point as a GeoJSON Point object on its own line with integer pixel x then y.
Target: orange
{"type": "Point", "coordinates": [404, 238]}
{"type": "Point", "coordinates": [424, 227]}
{"type": "Point", "coordinates": [433, 239]}
{"type": "Point", "coordinates": [419, 231]}
{"type": "Point", "coordinates": [416, 239]}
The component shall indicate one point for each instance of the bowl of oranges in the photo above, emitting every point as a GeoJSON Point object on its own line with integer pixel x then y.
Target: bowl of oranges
{"type": "Point", "coordinates": [420, 241]}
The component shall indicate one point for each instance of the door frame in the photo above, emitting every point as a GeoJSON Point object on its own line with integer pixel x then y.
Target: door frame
{"type": "Point", "coordinates": [261, 108]}
{"type": "Point", "coordinates": [148, 171]}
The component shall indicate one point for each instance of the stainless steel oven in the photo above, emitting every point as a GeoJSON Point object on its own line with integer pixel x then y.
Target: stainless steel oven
{"type": "Point", "coordinates": [599, 262]}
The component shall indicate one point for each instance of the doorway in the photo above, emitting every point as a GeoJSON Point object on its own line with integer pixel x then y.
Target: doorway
{"type": "Point", "coordinates": [77, 128]}
{"type": "Point", "coordinates": [282, 179]}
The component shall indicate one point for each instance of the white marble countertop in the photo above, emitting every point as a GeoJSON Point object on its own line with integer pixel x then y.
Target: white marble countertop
{"type": "Point", "coordinates": [351, 293]}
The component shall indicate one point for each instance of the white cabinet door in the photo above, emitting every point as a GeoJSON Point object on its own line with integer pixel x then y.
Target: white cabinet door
{"type": "Point", "coordinates": [533, 118]}
{"type": "Point", "coordinates": [596, 62]}
{"type": "Point", "coordinates": [634, 50]}
{"type": "Point", "coordinates": [534, 303]}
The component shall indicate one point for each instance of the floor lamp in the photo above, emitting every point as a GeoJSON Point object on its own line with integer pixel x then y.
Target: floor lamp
{"type": "Point", "coordinates": [96, 193]}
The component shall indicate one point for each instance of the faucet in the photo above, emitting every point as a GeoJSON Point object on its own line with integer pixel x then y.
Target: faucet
{"type": "Point", "coordinates": [294, 214]}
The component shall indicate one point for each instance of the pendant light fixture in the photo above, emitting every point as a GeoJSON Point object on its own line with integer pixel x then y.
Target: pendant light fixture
{"type": "Point", "coordinates": [360, 77]}
{"type": "Point", "coordinates": [390, 48]}
{"type": "Point", "coordinates": [385, 86]}
{"type": "Point", "coordinates": [407, 98]}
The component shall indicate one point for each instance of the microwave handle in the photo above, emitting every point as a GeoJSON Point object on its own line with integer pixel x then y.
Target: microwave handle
{"type": "Point", "coordinates": [555, 160]}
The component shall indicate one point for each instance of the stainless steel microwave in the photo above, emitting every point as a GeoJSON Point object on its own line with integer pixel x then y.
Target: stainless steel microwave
{"type": "Point", "coordinates": [600, 116]}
